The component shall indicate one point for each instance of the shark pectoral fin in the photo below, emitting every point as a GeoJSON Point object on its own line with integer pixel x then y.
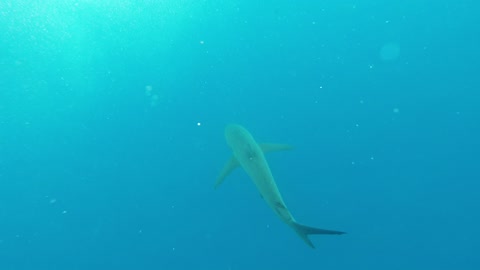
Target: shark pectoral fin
{"type": "Point", "coordinates": [231, 165]}
{"type": "Point", "coordinates": [271, 147]}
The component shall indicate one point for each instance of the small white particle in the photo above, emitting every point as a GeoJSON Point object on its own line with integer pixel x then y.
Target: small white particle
{"type": "Point", "coordinates": [199, 124]}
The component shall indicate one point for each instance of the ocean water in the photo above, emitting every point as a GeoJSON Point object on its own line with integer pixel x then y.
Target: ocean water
{"type": "Point", "coordinates": [112, 116]}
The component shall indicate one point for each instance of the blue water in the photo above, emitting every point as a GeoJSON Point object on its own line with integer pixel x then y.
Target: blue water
{"type": "Point", "coordinates": [111, 133]}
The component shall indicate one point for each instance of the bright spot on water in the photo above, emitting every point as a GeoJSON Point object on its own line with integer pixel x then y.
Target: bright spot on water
{"type": "Point", "coordinates": [396, 110]}
{"type": "Point", "coordinates": [53, 200]}
{"type": "Point", "coordinates": [64, 212]}
{"type": "Point", "coordinates": [153, 96]}
{"type": "Point", "coordinates": [389, 51]}
{"type": "Point", "coordinates": [199, 124]}
{"type": "Point", "coordinates": [148, 90]}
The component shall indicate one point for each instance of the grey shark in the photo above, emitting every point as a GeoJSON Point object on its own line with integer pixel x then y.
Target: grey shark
{"type": "Point", "coordinates": [249, 155]}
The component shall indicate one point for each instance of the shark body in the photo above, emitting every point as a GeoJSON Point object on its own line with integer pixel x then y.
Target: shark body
{"type": "Point", "coordinates": [249, 155]}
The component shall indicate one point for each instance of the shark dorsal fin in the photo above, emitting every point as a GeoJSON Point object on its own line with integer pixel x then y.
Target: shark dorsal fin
{"type": "Point", "coordinates": [231, 165]}
{"type": "Point", "coordinates": [272, 147]}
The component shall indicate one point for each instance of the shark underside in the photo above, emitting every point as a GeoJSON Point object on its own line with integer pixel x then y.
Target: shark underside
{"type": "Point", "coordinates": [249, 155]}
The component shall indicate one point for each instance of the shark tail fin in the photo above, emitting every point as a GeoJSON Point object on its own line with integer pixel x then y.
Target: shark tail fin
{"type": "Point", "coordinates": [303, 231]}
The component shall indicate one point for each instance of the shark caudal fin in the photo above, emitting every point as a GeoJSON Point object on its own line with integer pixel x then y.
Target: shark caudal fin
{"type": "Point", "coordinates": [303, 231]}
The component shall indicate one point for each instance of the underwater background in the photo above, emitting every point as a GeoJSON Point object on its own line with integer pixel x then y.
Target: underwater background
{"type": "Point", "coordinates": [112, 116]}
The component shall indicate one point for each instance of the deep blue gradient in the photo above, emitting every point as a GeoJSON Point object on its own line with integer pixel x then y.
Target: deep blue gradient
{"type": "Point", "coordinates": [111, 133]}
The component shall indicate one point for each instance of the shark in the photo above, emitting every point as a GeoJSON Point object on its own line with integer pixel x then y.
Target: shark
{"type": "Point", "coordinates": [249, 155]}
